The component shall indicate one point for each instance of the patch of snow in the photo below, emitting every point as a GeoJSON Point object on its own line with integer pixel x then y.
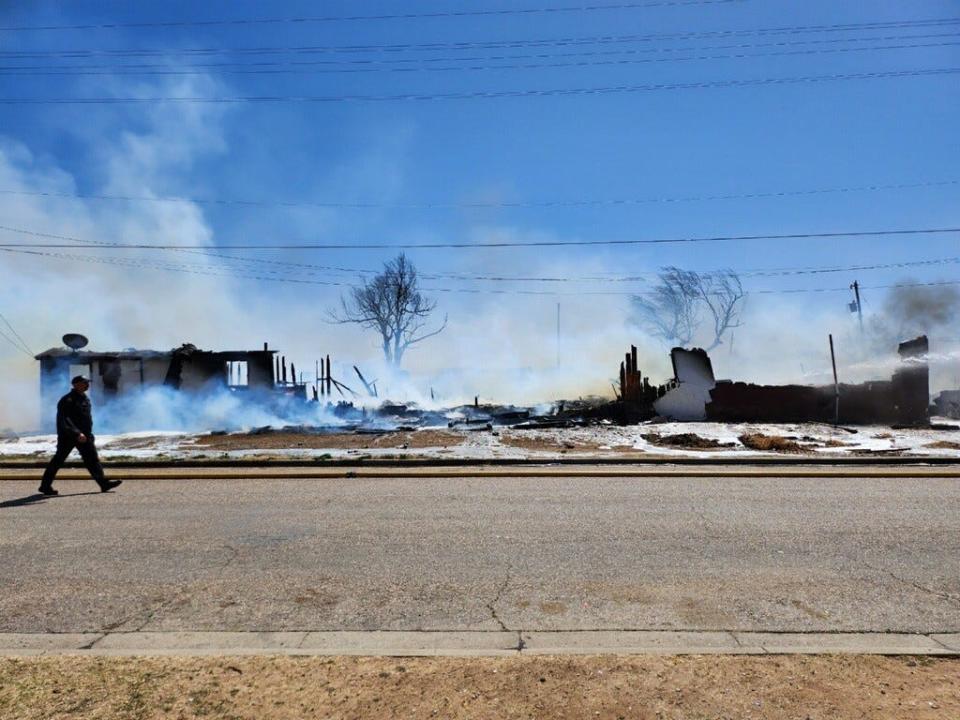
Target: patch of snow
{"type": "Point", "coordinates": [608, 441]}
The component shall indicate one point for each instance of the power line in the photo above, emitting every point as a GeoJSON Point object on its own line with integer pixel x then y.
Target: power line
{"type": "Point", "coordinates": [469, 291]}
{"type": "Point", "coordinates": [22, 343]}
{"type": "Point", "coordinates": [403, 60]}
{"type": "Point", "coordinates": [850, 268]}
{"type": "Point", "coordinates": [591, 202]}
{"type": "Point", "coordinates": [301, 20]}
{"type": "Point", "coordinates": [494, 44]}
{"type": "Point", "coordinates": [125, 70]}
{"type": "Point", "coordinates": [847, 289]}
{"type": "Point", "coordinates": [636, 277]}
{"type": "Point", "coordinates": [483, 94]}
{"type": "Point", "coordinates": [141, 264]}
{"type": "Point", "coordinates": [311, 268]}
{"type": "Point", "coordinates": [7, 338]}
{"type": "Point", "coordinates": [72, 242]}
{"type": "Point", "coordinates": [608, 277]}
{"type": "Point", "coordinates": [159, 265]}
{"type": "Point", "coordinates": [377, 62]}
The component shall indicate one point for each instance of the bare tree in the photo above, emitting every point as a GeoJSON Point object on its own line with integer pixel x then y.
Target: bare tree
{"type": "Point", "coordinates": [391, 303]}
{"type": "Point", "coordinates": [722, 294]}
{"type": "Point", "coordinates": [683, 299]}
{"type": "Point", "coordinates": [670, 311]}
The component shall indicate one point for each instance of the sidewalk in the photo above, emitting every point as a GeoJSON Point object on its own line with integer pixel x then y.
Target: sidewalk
{"type": "Point", "coordinates": [475, 644]}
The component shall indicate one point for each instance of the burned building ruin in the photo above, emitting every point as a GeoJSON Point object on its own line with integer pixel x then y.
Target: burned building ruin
{"type": "Point", "coordinates": [184, 369]}
{"type": "Point", "coordinates": [693, 394]}
{"type": "Point", "coordinates": [902, 400]}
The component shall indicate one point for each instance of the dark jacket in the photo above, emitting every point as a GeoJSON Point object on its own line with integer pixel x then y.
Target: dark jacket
{"type": "Point", "coordinates": [74, 416]}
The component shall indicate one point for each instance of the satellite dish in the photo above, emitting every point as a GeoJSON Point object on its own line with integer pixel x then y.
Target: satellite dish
{"type": "Point", "coordinates": [75, 341]}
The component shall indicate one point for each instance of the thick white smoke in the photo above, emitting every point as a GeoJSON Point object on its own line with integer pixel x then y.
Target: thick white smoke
{"type": "Point", "coordinates": [117, 305]}
{"type": "Point", "coordinates": [500, 347]}
{"type": "Point", "coordinates": [213, 408]}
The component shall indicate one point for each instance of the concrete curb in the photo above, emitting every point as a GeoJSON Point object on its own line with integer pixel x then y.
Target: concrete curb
{"type": "Point", "coordinates": [301, 473]}
{"type": "Point", "coordinates": [475, 644]}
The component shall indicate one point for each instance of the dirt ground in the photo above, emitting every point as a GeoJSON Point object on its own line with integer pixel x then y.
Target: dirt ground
{"type": "Point", "coordinates": [325, 441]}
{"type": "Point", "coordinates": [605, 687]}
{"type": "Point", "coordinates": [528, 441]}
{"type": "Point", "coordinates": [418, 440]}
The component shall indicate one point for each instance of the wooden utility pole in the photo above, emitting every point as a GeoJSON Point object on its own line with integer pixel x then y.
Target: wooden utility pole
{"type": "Point", "coordinates": [836, 385]}
{"type": "Point", "coordinates": [856, 293]}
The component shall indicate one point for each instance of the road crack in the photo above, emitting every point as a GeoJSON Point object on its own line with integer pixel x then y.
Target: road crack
{"type": "Point", "coordinates": [178, 595]}
{"type": "Point", "coordinates": [916, 585]}
{"type": "Point", "coordinates": [491, 606]}
{"type": "Point", "coordinates": [234, 554]}
{"type": "Point", "coordinates": [924, 588]}
{"type": "Point", "coordinates": [89, 645]}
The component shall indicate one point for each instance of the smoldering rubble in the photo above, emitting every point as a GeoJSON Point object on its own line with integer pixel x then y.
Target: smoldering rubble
{"type": "Point", "coordinates": [693, 394]}
{"type": "Point", "coordinates": [257, 391]}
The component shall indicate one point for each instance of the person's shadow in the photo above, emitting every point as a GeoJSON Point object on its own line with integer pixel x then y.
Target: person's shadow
{"type": "Point", "coordinates": [39, 497]}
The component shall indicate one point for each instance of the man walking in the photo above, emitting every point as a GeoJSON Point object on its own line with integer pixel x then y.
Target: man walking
{"type": "Point", "coordinates": [75, 430]}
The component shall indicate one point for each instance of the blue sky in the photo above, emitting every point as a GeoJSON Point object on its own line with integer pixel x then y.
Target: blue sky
{"type": "Point", "coordinates": [569, 148]}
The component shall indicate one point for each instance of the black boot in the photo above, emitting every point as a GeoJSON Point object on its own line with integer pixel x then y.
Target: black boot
{"type": "Point", "coordinates": [47, 491]}
{"type": "Point", "coordinates": [109, 485]}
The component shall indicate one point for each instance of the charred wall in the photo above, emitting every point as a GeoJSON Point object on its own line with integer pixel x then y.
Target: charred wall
{"type": "Point", "coordinates": [911, 383]}
{"type": "Point", "coordinates": [903, 400]}
{"type": "Point", "coordinates": [862, 404]}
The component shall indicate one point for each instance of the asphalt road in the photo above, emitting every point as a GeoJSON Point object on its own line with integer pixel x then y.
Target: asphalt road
{"type": "Point", "coordinates": [761, 554]}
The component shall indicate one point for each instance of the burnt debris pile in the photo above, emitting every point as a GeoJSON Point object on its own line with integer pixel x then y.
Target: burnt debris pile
{"type": "Point", "coordinates": [694, 394]}
{"type": "Point", "coordinates": [191, 389]}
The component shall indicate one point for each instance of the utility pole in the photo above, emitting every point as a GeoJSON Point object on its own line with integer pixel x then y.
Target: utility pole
{"type": "Point", "coordinates": [856, 293]}
{"type": "Point", "coordinates": [836, 385]}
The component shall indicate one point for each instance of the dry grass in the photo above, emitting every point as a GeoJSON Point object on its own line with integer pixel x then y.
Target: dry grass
{"type": "Point", "coordinates": [605, 687]}
{"type": "Point", "coordinates": [690, 441]}
{"type": "Point", "coordinates": [944, 445]}
{"type": "Point", "coordinates": [830, 443]}
{"type": "Point", "coordinates": [759, 441]}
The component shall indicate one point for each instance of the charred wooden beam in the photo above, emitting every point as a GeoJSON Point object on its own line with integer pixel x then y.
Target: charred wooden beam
{"type": "Point", "coordinates": [370, 389]}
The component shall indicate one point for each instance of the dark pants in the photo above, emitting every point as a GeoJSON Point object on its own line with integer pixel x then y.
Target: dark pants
{"type": "Point", "coordinates": [88, 453]}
